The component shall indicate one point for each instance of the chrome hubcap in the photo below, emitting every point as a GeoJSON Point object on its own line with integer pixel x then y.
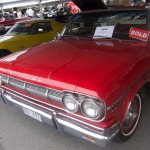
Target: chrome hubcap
{"type": "Point", "coordinates": [132, 116]}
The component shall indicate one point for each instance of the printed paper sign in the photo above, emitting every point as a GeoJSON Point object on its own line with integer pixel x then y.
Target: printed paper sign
{"type": "Point", "coordinates": [139, 34]}
{"type": "Point", "coordinates": [104, 31]}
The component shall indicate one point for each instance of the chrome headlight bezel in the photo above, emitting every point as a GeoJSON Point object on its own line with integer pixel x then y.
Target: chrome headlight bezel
{"type": "Point", "coordinates": [98, 104]}
{"type": "Point", "coordinates": [72, 97]}
{"type": "Point", "coordinates": [80, 100]}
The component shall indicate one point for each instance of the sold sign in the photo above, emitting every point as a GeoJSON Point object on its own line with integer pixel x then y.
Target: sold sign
{"type": "Point", "coordinates": [139, 34]}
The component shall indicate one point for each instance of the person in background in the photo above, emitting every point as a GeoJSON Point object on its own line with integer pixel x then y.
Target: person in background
{"type": "Point", "coordinates": [19, 13]}
{"type": "Point", "coordinates": [23, 12]}
{"type": "Point", "coordinates": [74, 8]}
{"type": "Point", "coordinates": [67, 9]}
{"type": "Point", "coordinates": [30, 13]}
{"type": "Point", "coordinates": [147, 4]}
{"type": "Point", "coordinates": [15, 13]}
{"type": "Point", "coordinates": [1, 15]}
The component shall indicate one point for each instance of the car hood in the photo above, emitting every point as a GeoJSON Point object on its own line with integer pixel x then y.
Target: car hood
{"type": "Point", "coordinates": [7, 38]}
{"type": "Point", "coordinates": [85, 5]}
{"type": "Point", "coordinates": [68, 64]}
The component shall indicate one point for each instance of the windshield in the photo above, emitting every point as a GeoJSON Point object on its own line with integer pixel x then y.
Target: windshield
{"type": "Point", "coordinates": [21, 28]}
{"type": "Point", "coordinates": [110, 24]}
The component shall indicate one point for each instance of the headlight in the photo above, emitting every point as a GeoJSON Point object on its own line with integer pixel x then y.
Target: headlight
{"type": "Point", "coordinates": [70, 103]}
{"type": "Point", "coordinates": [92, 109]}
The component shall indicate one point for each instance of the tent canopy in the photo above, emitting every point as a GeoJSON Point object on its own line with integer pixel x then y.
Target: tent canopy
{"type": "Point", "coordinates": [23, 3]}
{"type": "Point", "coordinates": [8, 1]}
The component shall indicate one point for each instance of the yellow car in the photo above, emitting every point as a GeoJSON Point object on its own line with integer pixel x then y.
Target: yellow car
{"type": "Point", "coordinates": [29, 33]}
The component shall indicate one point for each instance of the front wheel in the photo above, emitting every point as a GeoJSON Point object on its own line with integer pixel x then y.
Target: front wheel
{"type": "Point", "coordinates": [131, 119]}
{"type": "Point", "coordinates": [4, 52]}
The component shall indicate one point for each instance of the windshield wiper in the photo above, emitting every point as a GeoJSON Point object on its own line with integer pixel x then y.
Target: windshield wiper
{"type": "Point", "coordinates": [88, 36]}
{"type": "Point", "coordinates": [69, 36]}
{"type": "Point", "coordinates": [103, 37]}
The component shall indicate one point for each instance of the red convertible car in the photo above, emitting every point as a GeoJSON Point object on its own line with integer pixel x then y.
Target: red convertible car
{"type": "Point", "coordinates": [91, 81]}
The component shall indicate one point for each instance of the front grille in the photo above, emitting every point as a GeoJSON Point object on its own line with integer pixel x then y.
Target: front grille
{"type": "Point", "coordinates": [33, 88]}
{"type": "Point", "coordinates": [53, 93]}
{"type": "Point", "coordinates": [15, 82]}
{"type": "Point", "coordinates": [5, 78]}
{"type": "Point", "coordinates": [36, 89]}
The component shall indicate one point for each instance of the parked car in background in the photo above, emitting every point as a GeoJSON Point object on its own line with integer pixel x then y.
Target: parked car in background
{"type": "Point", "coordinates": [10, 20]}
{"type": "Point", "coordinates": [27, 34]}
{"type": "Point", "coordinates": [91, 82]}
{"type": "Point", "coordinates": [4, 29]}
{"type": "Point", "coordinates": [138, 3]}
{"type": "Point", "coordinates": [7, 21]}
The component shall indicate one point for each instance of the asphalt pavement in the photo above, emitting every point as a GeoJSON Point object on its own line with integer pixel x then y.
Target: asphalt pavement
{"type": "Point", "coordinates": [20, 132]}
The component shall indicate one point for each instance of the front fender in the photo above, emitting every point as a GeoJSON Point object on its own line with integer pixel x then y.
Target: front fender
{"type": "Point", "coordinates": [130, 96]}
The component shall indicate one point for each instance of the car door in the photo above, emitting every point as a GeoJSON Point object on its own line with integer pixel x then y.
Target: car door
{"type": "Point", "coordinates": [43, 32]}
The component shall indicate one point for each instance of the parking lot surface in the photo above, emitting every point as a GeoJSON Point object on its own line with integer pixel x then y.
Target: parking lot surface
{"type": "Point", "coordinates": [20, 132]}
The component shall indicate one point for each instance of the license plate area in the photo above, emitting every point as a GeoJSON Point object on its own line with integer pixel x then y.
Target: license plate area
{"type": "Point", "coordinates": [32, 114]}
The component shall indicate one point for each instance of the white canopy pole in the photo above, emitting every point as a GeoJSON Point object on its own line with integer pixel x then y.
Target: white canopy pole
{"type": "Point", "coordinates": [1, 6]}
{"type": "Point", "coordinates": [41, 11]}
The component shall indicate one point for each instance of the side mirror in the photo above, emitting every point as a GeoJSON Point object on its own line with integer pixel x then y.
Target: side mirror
{"type": "Point", "coordinates": [58, 35]}
{"type": "Point", "coordinates": [40, 31]}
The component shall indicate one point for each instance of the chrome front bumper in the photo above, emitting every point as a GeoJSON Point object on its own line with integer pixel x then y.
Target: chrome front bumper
{"type": "Point", "coordinates": [58, 119]}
